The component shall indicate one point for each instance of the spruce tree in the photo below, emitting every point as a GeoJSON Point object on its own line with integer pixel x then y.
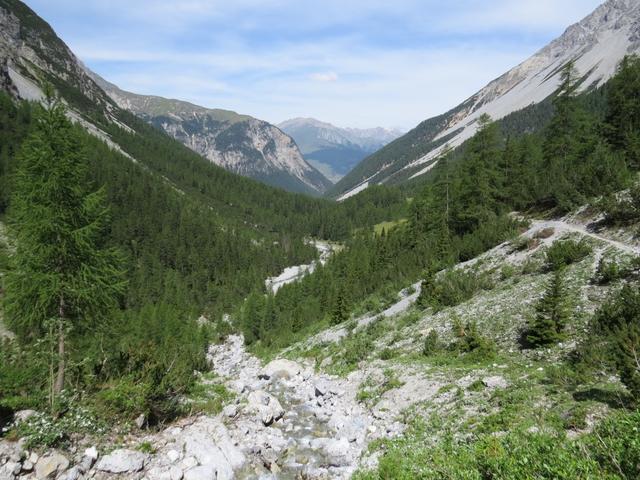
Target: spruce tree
{"type": "Point", "coordinates": [552, 314]}
{"type": "Point", "coordinates": [63, 277]}
{"type": "Point", "coordinates": [623, 116]}
{"type": "Point", "coordinates": [340, 313]}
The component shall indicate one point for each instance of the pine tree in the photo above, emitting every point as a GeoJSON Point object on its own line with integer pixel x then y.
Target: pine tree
{"type": "Point", "coordinates": [340, 313]}
{"type": "Point", "coordinates": [623, 117]}
{"type": "Point", "coordinates": [63, 277]}
{"type": "Point", "coordinates": [570, 137]}
{"type": "Point", "coordinates": [552, 314]}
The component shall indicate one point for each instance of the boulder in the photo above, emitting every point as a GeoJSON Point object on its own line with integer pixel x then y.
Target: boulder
{"type": "Point", "coordinates": [280, 368]}
{"type": "Point", "coordinates": [92, 453]}
{"type": "Point", "coordinates": [338, 452]}
{"type": "Point", "coordinates": [22, 416]}
{"type": "Point", "coordinates": [173, 456]}
{"type": "Point", "coordinates": [495, 382]}
{"type": "Point", "coordinates": [141, 421]}
{"type": "Point", "coordinates": [203, 472]}
{"type": "Point", "coordinates": [51, 465]}
{"type": "Point", "coordinates": [266, 406]}
{"type": "Point", "coordinates": [122, 461]}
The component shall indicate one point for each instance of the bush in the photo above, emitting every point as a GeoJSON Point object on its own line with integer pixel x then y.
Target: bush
{"type": "Point", "coordinates": [452, 288]}
{"type": "Point", "coordinates": [566, 252]}
{"type": "Point", "coordinates": [553, 312]}
{"type": "Point", "coordinates": [608, 271]}
{"type": "Point", "coordinates": [473, 345]}
{"type": "Point", "coordinates": [431, 344]}
{"type": "Point", "coordinates": [617, 325]}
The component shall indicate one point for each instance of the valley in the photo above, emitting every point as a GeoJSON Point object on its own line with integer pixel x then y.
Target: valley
{"type": "Point", "coordinates": [186, 295]}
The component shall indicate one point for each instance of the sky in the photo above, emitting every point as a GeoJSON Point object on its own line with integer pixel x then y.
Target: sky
{"type": "Point", "coordinates": [353, 63]}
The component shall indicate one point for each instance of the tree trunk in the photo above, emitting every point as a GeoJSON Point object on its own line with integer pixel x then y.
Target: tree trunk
{"type": "Point", "coordinates": [59, 385]}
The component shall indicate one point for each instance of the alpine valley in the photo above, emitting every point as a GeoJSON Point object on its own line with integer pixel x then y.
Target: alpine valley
{"type": "Point", "coordinates": [185, 296]}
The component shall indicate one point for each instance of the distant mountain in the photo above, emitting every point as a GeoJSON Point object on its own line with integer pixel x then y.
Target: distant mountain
{"type": "Point", "coordinates": [332, 150]}
{"type": "Point", "coordinates": [596, 45]}
{"type": "Point", "coordinates": [239, 143]}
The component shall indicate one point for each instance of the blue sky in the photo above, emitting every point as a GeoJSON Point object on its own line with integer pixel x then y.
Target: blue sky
{"type": "Point", "coordinates": [359, 63]}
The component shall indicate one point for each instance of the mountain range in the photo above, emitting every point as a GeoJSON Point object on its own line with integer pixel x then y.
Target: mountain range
{"type": "Point", "coordinates": [238, 143]}
{"type": "Point", "coordinates": [333, 150]}
{"type": "Point", "coordinates": [595, 45]}
{"type": "Point", "coordinates": [31, 54]}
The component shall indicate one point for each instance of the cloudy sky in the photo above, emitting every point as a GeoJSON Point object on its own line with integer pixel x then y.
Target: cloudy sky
{"type": "Point", "coordinates": [358, 63]}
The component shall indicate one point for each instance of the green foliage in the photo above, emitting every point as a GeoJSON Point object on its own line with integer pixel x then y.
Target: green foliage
{"type": "Point", "coordinates": [472, 344]}
{"type": "Point", "coordinates": [608, 271]}
{"type": "Point", "coordinates": [452, 287]}
{"type": "Point", "coordinates": [431, 343]}
{"type": "Point", "coordinates": [610, 452]}
{"type": "Point", "coordinates": [553, 312]}
{"type": "Point", "coordinates": [617, 327]}
{"type": "Point", "coordinates": [61, 268]}
{"type": "Point", "coordinates": [565, 252]}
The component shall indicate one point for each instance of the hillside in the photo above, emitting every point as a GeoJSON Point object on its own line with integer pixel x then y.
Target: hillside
{"type": "Point", "coordinates": [596, 45]}
{"type": "Point", "coordinates": [335, 151]}
{"type": "Point", "coordinates": [239, 143]}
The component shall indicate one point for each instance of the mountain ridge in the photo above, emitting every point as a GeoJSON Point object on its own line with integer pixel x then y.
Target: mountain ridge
{"type": "Point", "coordinates": [596, 44]}
{"type": "Point", "coordinates": [239, 143]}
{"type": "Point", "coordinates": [333, 150]}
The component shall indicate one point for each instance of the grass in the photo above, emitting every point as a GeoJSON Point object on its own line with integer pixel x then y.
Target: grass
{"type": "Point", "coordinates": [387, 226]}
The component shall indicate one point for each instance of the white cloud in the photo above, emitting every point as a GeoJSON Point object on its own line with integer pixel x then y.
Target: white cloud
{"type": "Point", "coordinates": [356, 63]}
{"type": "Point", "coordinates": [326, 77]}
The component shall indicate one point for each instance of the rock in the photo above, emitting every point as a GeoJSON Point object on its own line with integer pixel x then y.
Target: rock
{"type": "Point", "coordinates": [73, 474]}
{"type": "Point", "coordinates": [495, 382]}
{"type": "Point", "coordinates": [51, 465]}
{"type": "Point", "coordinates": [338, 452]}
{"type": "Point", "coordinates": [204, 472]}
{"type": "Point", "coordinates": [189, 462]}
{"type": "Point", "coordinates": [280, 368]}
{"type": "Point", "coordinates": [13, 468]}
{"type": "Point", "coordinates": [33, 457]}
{"type": "Point", "coordinates": [27, 466]}
{"type": "Point", "coordinates": [173, 456]}
{"type": "Point", "coordinates": [23, 415]}
{"type": "Point", "coordinates": [122, 461]}
{"type": "Point", "coordinates": [175, 473]}
{"type": "Point", "coordinates": [162, 473]}
{"type": "Point", "coordinates": [230, 411]}
{"type": "Point", "coordinates": [92, 453]}
{"type": "Point", "coordinates": [141, 421]}
{"type": "Point", "coordinates": [267, 406]}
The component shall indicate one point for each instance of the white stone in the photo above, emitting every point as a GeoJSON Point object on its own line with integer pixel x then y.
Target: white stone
{"type": "Point", "coordinates": [203, 472]}
{"type": "Point", "coordinates": [51, 465]}
{"type": "Point", "coordinates": [122, 461]}
{"type": "Point", "coordinates": [495, 382]}
{"type": "Point", "coordinates": [92, 453]}
{"type": "Point", "coordinates": [173, 455]}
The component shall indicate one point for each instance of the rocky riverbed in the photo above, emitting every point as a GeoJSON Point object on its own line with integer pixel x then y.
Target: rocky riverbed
{"type": "Point", "coordinates": [287, 422]}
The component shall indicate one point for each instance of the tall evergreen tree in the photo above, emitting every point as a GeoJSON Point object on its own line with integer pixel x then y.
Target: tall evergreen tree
{"type": "Point", "coordinates": [552, 314]}
{"type": "Point", "coordinates": [623, 117]}
{"type": "Point", "coordinates": [63, 277]}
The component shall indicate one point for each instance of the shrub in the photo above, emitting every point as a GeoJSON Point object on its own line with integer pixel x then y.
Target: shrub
{"type": "Point", "coordinates": [475, 346]}
{"type": "Point", "coordinates": [566, 252]}
{"type": "Point", "coordinates": [431, 344]}
{"type": "Point", "coordinates": [608, 271]}
{"type": "Point", "coordinates": [452, 288]}
{"type": "Point", "coordinates": [552, 314]}
{"type": "Point", "coordinates": [617, 323]}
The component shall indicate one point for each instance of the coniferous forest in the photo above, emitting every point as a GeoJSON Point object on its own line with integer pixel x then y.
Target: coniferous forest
{"type": "Point", "coordinates": [127, 261]}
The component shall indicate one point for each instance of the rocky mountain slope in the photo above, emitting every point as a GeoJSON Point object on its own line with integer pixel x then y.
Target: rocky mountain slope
{"type": "Point", "coordinates": [596, 45]}
{"type": "Point", "coordinates": [332, 150]}
{"type": "Point", "coordinates": [344, 398]}
{"type": "Point", "coordinates": [238, 143]}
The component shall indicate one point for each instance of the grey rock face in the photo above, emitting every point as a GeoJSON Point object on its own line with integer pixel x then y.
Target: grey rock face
{"type": "Point", "coordinates": [122, 461]}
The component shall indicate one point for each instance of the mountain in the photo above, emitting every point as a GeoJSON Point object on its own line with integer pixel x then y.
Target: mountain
{"type": "Point", "coordinates": [238, 143]}
{"type": "Point", "coordinates": [332, 150]}
{"type": "Point", "coordinates": [596, 45]}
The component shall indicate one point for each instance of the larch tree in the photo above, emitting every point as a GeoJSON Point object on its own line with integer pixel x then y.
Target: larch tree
{"type": "Point", "coordinates": [63, 278]}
